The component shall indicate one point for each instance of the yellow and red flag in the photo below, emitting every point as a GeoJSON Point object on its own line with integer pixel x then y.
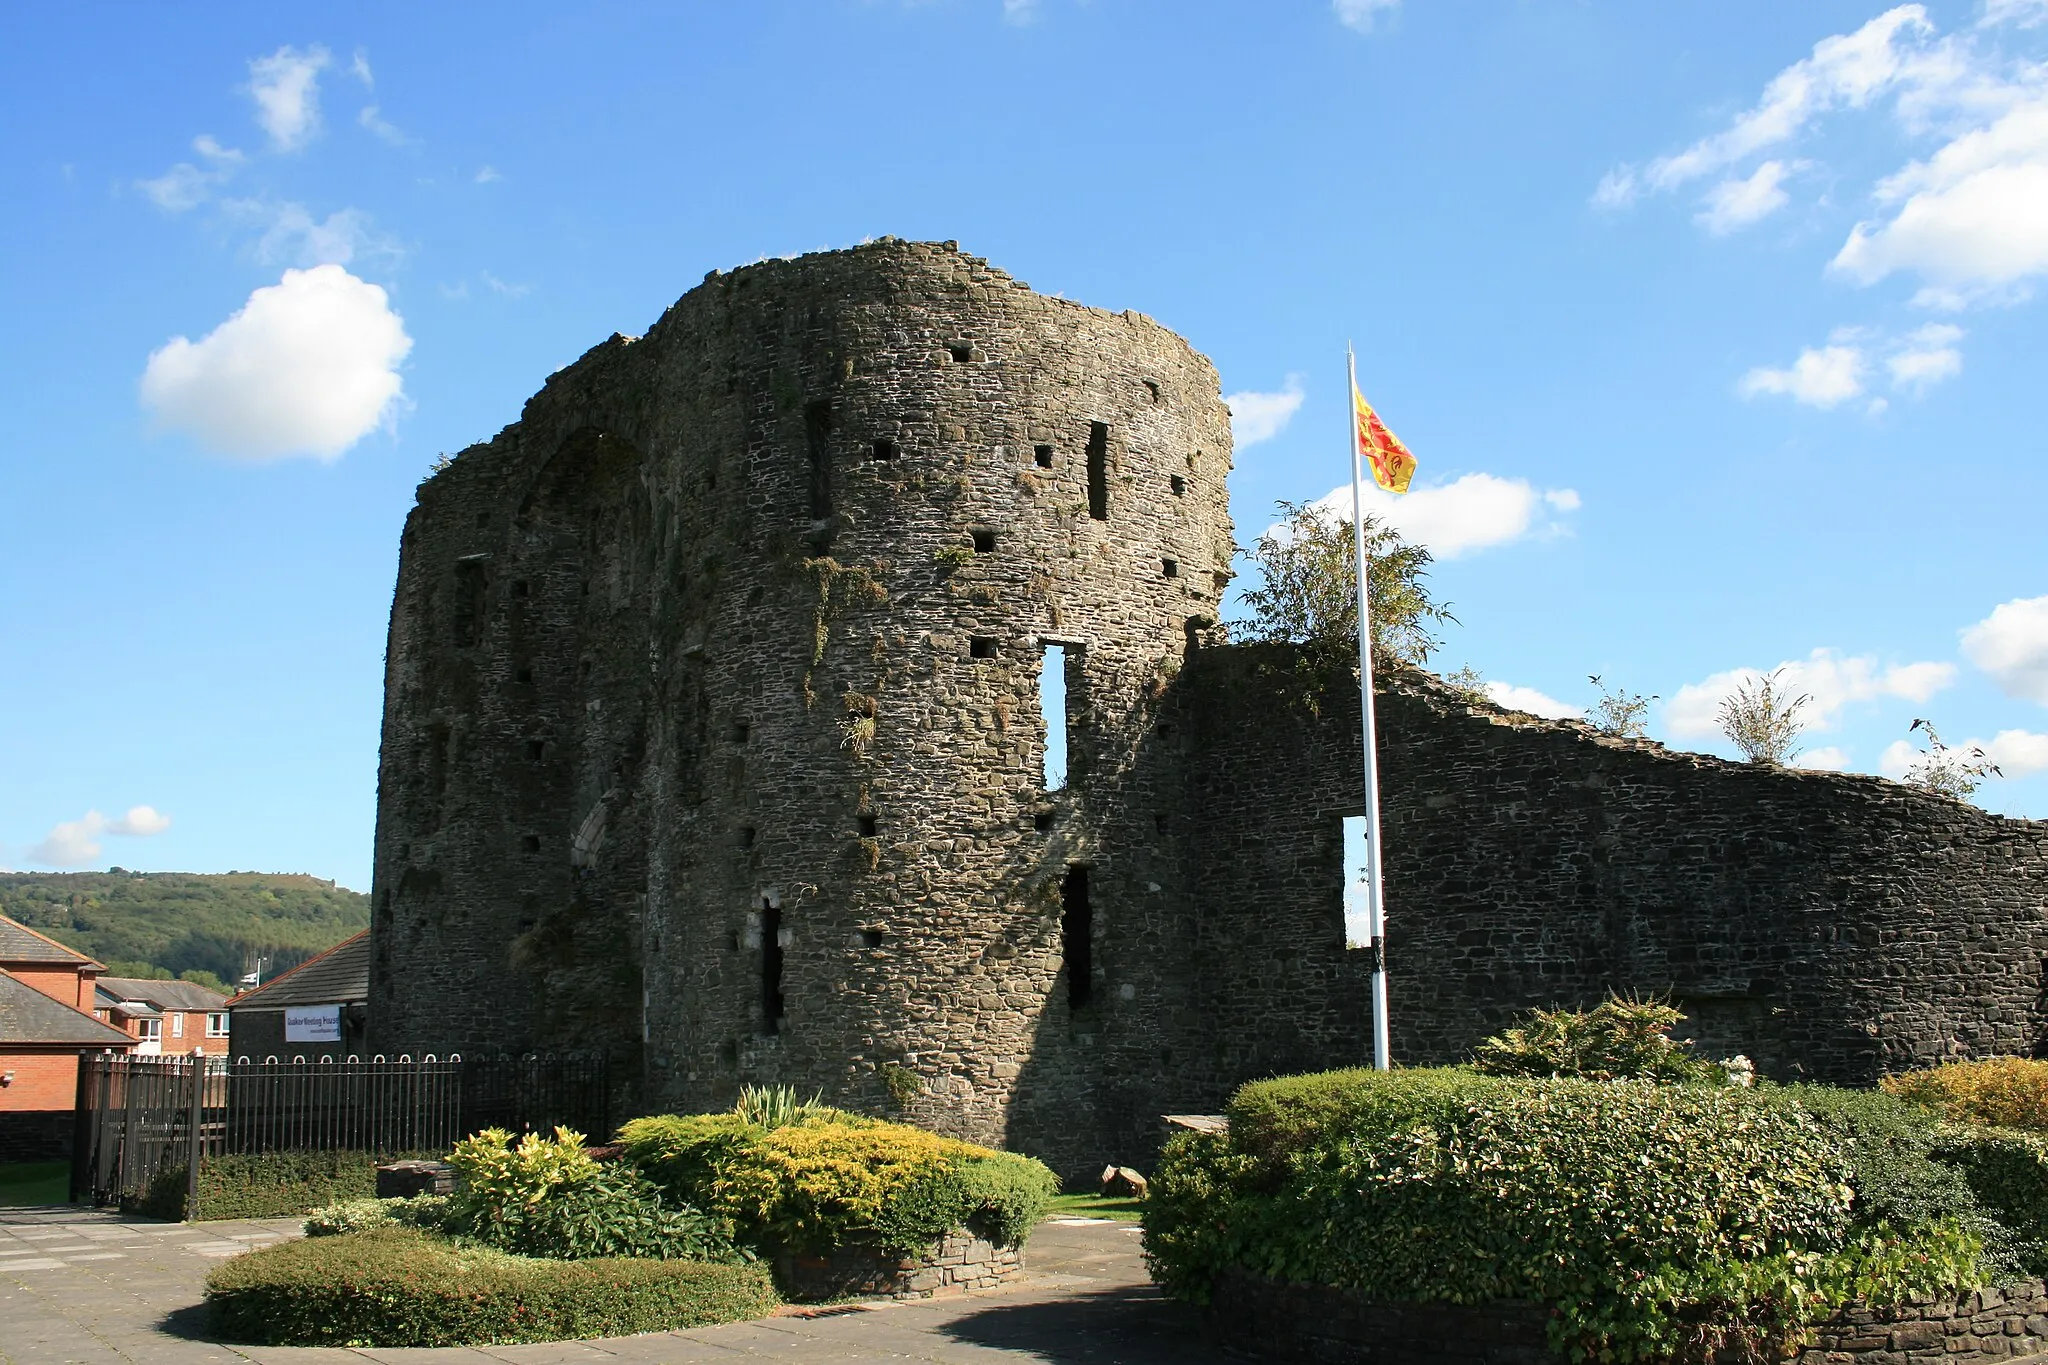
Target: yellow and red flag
{"type": "Point", "coordinates": [1391, 464]}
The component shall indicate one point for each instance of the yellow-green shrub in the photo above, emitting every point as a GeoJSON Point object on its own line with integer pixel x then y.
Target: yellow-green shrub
{"type": "Point", "coordinates": [819, 1182]}
{"type": "Point", "coordinates": [2001, 1092]}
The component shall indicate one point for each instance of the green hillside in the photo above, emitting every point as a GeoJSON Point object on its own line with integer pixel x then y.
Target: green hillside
{"type": "Point", "coordinates": [172, 923]}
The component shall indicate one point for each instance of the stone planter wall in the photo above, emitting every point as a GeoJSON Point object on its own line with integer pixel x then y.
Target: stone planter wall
{"type": "Point", "coordinates": [1296, 1322]}
{"type": "Point", "coordinates": [956, 1264]}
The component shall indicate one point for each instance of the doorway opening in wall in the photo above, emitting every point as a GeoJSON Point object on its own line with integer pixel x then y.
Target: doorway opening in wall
{"type": "Point", "coordinates": [771, 966]}
{"type": "Point", "coordinates": [1357, 932]}
{"type": "Point", "coordinates": [1053, 714]}
{"type": "Point", "coordinates": [1077, 937]}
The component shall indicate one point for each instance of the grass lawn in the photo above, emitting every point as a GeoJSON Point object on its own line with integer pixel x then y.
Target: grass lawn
{"type": "Point", "coordinates": [34, 1182]}
{"type": "Point", "coordinates": [1095, 1206]}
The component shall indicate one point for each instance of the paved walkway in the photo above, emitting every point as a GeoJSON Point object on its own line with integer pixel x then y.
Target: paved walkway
{"type": "Point", "coordinates": [84, 1287]}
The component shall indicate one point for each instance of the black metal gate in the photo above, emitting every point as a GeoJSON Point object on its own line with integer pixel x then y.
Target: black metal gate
{"type": "Point", "coordinates": [141, 1119]}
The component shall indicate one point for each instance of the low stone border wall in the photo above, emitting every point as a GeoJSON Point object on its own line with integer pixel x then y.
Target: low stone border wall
{"type": "Point", "coordinates": [960, 1262]}
{"type": "Point", "coordinates": [1270, 1321]}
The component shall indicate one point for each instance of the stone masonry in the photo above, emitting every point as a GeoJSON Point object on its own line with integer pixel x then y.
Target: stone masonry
{"type": "Point", "coordinates": [713, 737]}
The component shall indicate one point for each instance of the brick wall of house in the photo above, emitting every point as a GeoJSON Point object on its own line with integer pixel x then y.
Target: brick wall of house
{"type": "Point", "coordinates": [43, 1079]}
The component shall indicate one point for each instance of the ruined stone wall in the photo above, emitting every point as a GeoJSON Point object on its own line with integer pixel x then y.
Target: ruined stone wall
{"type": "Point", "coordinates": [1830, 926]}
{"type": "Point", "coordinates": [712, 737]}
{"type": "Point", "coordinates": [729, 651]}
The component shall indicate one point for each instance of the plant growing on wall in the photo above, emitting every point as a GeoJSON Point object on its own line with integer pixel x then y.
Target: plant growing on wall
{"type": "Point", "coordinates": [1619, 713]}
{"type": "Point", "coordinates": [1763, 721]}
{"type": "Point", "coordinates": [1951, 772]}
{"type": "Point", "coordinates": [1309, 591]}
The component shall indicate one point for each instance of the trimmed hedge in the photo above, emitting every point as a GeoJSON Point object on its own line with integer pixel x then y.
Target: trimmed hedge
{"type": "Point", "coordinates": [1653, 1220]}
{"type": "Point", "coordinates": [401, 1287]}
{"type": "Point", "coordinates": [1998, 1092]}
{"type": "Point", "coordinates": [832, 1177]}
{"type": "Point", "coordinates": [267, 1185]}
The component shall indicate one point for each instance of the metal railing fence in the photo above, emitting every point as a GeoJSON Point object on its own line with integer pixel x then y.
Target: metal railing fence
{"type": "Point", "coordinates": [141, 1118]}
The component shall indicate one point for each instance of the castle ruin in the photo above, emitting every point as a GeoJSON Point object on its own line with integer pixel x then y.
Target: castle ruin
{"type": "Point", "coordinates": [713, 736]}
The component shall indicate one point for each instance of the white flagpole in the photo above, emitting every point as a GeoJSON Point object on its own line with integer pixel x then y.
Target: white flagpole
{"type": "Point", "coordinates": [1375, 919]}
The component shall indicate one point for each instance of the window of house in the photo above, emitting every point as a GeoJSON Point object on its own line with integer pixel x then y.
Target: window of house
{"type": "Point", "coordinates": [149, 1030]}
{"type": "Point", "coordinates": [217, 1024]}
{"type": "Point", "coordinates": [178, 1025]}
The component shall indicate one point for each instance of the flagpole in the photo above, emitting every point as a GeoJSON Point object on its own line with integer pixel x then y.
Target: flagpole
{"type": "Point", "coordinates": [1375, 920]}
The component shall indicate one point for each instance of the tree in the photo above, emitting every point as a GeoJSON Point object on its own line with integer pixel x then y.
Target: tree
{"type": "Point", "coordinates": [1763, 721]}
{"type": "Point", "coordinates": [1310, 596]}
{"type": "Point", "coordinates": [1944, 770]}
{"type": "Point", "coordinates": [1619, 713]}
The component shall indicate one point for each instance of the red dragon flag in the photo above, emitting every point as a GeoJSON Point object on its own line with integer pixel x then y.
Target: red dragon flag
{"type": "Point", "coordinates": [1391, 464]}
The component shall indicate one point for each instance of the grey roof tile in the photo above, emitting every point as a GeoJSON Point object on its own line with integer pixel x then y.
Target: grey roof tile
{"type": "Point", "coordinates": [165, 995]}
{"type": "Point", "coordinates": [19, 943]}
{"type": "Point", "coordinates": [338, 976]}
{"type": "Point", "coordinates": [29, 1016]}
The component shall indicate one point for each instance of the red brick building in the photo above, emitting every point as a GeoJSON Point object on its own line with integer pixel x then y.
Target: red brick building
{"type": "Point", "coordinates": [46, 1021]}
{"type": "Point", "coordinates": [167, 1017]}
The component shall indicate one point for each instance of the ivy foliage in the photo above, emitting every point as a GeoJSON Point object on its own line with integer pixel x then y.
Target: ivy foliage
{"type": "Point", "coordinates": [1616, 1038]}
{"type": "Point", "coordinates": [828, 1177]}
{"type": "Point", "coordinates": [1656, 1221]}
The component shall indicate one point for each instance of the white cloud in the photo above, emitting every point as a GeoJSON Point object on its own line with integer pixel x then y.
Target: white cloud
{"type": "Point", "coordinates": [1845, 70]}
{"type": "Point", "coordinates": [1821, 377]}
{"type": "Point", "coordinates": [1474, 512]}
{"type": "Point", "coordinates": [2018, 13]}
{"type": "Point", "coordinates": [376, 123]}
{"type": "Point", "coordinates": [1529, 699]}
{"type": "Point", "coordinates": [1829, 758]}
{"type": "Point", "coordinates": [1972, 220]}
{"type": "Point", "coordinates": [1927, 357]}
{"type": "Point", "coordinates": [141, 822]}
{"type": "Point", "coordinates": [360, 69]}
{"type": "Point", "coordinates": [510, 291]}
{"type": "Point", "coordinates": [1617, 189]}
{"type": "Point", "coordinates": [1737, 202]}
{"type": "Point", "coordinates": [286, 88]}
{"type": "Point", "coordinates": [1831, 680]}
{"type": "Point", "coordinates": [295, 237]}
{"type": "Point", "coordinates": [1362, 15]}
{"type": "Point", "coordinates": [2018, 753]}
{"type": "Point", "coordinates": [185, 185]}
{"type": "Point", "coordinates": [1256, 417]}
{"type": "Point", "coordinates": [2011, 644]}
{"type": "Point", "coordinates": [307, 367]}
{"type": "Point", "coordinates": [76, 843]}
{"type": "Point", "coordinates": [1898, 759]}
{"type": "Point", "coordinates": [1020, 11]}
{"type": "Point", "coordinates": [486, 174]}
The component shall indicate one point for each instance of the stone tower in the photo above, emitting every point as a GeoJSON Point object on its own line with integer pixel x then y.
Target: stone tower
{"type": "Point", "coordinates": [713, 730]}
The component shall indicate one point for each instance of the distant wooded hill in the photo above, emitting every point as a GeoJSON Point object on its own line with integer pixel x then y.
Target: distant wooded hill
{"type": "Point", "coordinates": [175, 923]}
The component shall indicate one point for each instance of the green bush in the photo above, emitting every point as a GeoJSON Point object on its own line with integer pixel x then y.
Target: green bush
{"type": "Point", "coordinates": [549, 1197]}
{"type": "Point", "coordinates": [823, 1181]}
{"type": "Point", "coordinates": [402, 1287]}
{"type": "Point", "coordinates": [1615, 1040]}
{"type": "Point", "coordinates": [263, 1185]}
{"type": "Point", "coordinates": [428, 1212]}
{"type": "Point", "coordinates": [2007, 1171]}
{"type": "Point", "coordinates": [1653, 1219]}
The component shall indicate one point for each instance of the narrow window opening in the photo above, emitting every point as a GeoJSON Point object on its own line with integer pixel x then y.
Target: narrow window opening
{"type": "Point", "coordinates": [1042, 456]}
{"type": "Point", "coordinates": [1098, 470]}
{"type": "Point", "coordinates": [1170, 567]}
{"type": "Point", "coordinates": [1152, 387]}
{"type": "Point", "coordinates": [1043, 820]}
{"type": "Point", "coordinates": [984, 541]}
{"type": "Point", "coordinates": [469, 602]}
{"type": "Point", "coordinates": [535, 748]}
{"type": "Point", "coordinates": [521, 588]}
{"type": "Point", "coordinates": [867, 826]}
{"type": "Point", "coordinates": [1356, 870]}
{"type": "Point", "coordinates": [530, 842]}
{"type": "Point", "coordinates": [884, 450]}
{"type": "Point", "coordinates": [746, 836]}
{"type": "Point", "coordinates": [817, 438]}
{"type": "Point", "coordinates": [961, 353]}
{"type": "Point", "coordinates": [483, 519]}
{"type": "Point", "coordinates": [1054, 717]}
{"type": "Point", "coordinates": [871, 938]}
{"type": "Point", "coordinates": [732, 943]}
{"type": "Point", "coordinates": [1180, 485]}
{"type": "Point", "coordinates": [771, 966]}
{"type": "Point", "coordinates": [711, 480]}
{"type": "Point", "coordinates": [982, 647]}
{"type": "Point", "coordinates": [740, 731]}
{"type": "Point", "coordinates": [523, 676]}
{"type": "Point", "coordinates": [1077, 937]}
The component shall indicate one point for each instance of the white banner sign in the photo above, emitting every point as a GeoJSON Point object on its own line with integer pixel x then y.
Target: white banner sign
{"type": "Point", "coordinates": [312, 1024]}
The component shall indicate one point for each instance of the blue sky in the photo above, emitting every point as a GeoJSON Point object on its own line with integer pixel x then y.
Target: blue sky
{"type": "Point", "coordinates": [1709, 322]}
